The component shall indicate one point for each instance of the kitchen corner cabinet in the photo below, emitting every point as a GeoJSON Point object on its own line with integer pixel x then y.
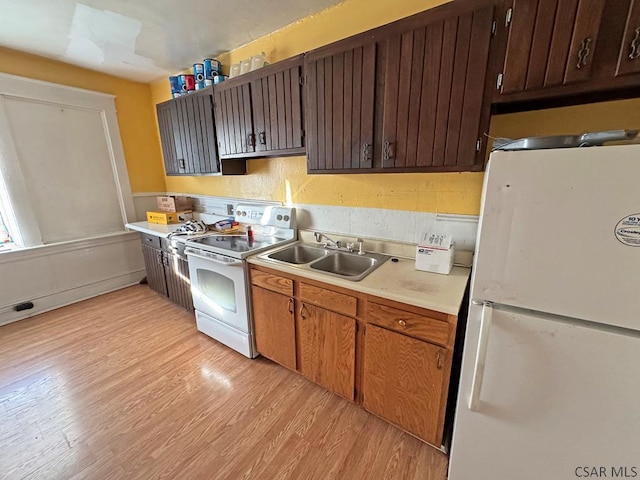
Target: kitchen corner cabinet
{"type": "Point", "coordinates": [259, 114]}
{"type": "Point", "coordinates": [392, 359]}
{"type": "Point", "coordinates": [167, 272]}
{"type": "Point", "coordinates": [408, 96]}
{"type": "Point", "coordinates": [585, 50]}
{"type": "Point", "coordinates": [187, 136]}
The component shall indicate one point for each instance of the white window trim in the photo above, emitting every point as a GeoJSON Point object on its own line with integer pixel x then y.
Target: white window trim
{"type": "Point", "coordinates": [55, 94]}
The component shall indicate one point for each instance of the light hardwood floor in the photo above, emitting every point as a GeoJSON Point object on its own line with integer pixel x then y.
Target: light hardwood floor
{"type": "Point", "coordinates": [124, 386]}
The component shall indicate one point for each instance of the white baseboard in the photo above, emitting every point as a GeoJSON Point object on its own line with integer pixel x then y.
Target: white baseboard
{"type": "Point", "coordinates": [73, 295]}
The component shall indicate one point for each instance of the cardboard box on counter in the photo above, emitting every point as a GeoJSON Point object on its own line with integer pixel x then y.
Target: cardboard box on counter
{"type": "Point", "coordinates": [435, 254]}
{"type": "Point", "coordinates": [167, 218]}
{"type": "Point", "coordinates": [170, 203]}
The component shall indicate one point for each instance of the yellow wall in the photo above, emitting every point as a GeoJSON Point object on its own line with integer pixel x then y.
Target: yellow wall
{"type": "Point", "coordinates": [286, 178]}
{"type": "Point", "coordinates": [136, 115]}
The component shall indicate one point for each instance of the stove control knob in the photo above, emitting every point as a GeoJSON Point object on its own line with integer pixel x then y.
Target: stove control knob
{"type": "Point", "coordinates": [286, 218]}
{"type": "Point", "coordinates": [279, 217]}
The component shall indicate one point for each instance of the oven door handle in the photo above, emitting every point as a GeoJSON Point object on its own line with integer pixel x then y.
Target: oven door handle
{"type": "Point", "coordinates": [197, 254]}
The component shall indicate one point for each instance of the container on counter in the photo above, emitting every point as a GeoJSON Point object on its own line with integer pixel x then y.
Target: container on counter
{"type": "Point", "coordinates": [198, 72]}
{"type": "Point", "coordinates": [259, 61]}
{"type": "Point", "coordinates": [245, 66]}
{"type": "Point", "coordinates": [219, 79]}
{"type": "Point", "coordinates": [176, 91]}
{"type": "Point", "coordinates": [234, 70]}
{"type": "Point", "coordinates": [211, 68]}
{"type": "Point", "coordinates": [187, 83]}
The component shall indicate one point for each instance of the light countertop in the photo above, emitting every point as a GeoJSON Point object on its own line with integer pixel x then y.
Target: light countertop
{"type": "Point", "coordinates": [153, 228]}
{"type": "Point", "coordinates": [398, 281]}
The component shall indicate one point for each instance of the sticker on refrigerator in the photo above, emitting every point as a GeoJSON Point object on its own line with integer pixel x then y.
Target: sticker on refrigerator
{"type": "Point", "coordinates": [627, 230]}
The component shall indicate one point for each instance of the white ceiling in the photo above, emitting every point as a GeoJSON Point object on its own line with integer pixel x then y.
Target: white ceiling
{"type": "Point", "coordinates": [143, 39]}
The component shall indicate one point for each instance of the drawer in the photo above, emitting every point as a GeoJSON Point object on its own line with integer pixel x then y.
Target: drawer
{"type": "Point", "coordinates": [414, 325]}
{"type": "Point", "coordinates": [334, 301]}
{"type": "Point", "coordinates": [275, 283]}
{"type": "Point", "coordinates": [151, 240]}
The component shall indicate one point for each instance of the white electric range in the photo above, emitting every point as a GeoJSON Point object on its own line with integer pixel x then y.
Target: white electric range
{"type": "Point", "coordinates": [220, 274]}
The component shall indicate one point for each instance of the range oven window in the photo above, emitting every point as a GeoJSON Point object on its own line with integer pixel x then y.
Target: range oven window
{"type": "Point", "coordinates": [217, 290]}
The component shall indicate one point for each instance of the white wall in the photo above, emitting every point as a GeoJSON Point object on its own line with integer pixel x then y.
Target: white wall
{"type": "Point", "coordinates": [55, 275]}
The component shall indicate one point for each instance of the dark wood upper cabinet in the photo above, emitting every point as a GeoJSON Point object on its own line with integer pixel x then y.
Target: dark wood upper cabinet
{"type": "Point", "coordinates": [276, 97]}
{"type": "Point", "coordinates": [408, 96]}
{"type": "Point", "coordinates": [259, 114]}
{"type": "Point", "coordinates": [233, 119]}
{"type": "Point", "coordinates": [550, 43]}
{"type": "Point", "coordinates": [188, 136]}
{"type": "Point", "coordinates": [340, 107]}
{"type": "Point", "coordinates": [562, 52]}
{"type": "Point", "coordinates": [629, 57]}
{"type": "Point", "coordinates": [433, 93]}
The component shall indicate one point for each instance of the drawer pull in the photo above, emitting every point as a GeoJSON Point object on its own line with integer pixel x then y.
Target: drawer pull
{"type": "Point", "coordinates": [635, 45]}
{"type": "Point", "coordinates": [402, 323]}
{"type": "Point", "coordinates": [302, 310]}
{"type": "Point", "coordinates": [583, 53]}
{"type": "Point", "coordinates": [291, 306]}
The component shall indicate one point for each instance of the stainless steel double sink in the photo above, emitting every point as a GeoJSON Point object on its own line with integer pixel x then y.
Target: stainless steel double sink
{"type": "Point", "coordinates": [348, 265]}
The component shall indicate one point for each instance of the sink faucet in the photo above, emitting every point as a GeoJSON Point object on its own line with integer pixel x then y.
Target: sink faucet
{"type": "Point", "coordinates": [319, 236]}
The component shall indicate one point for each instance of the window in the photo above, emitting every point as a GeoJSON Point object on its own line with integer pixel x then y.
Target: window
{"type": "Point", "coordinates": [61, 163]}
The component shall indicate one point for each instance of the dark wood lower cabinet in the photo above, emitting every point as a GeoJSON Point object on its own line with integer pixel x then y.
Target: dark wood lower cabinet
{"type": "Point", "coordinates": [176, 271]}
{"type": "Point", "coordinates": [167, 273]}
{"type": "Point", "coordinates": [154, 266]}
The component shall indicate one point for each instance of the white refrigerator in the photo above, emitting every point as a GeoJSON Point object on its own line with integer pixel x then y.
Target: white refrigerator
{"type": "Point", "coordinates": [550, 380]}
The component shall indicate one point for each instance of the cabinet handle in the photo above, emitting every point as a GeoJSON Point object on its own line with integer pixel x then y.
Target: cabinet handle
{"type": "Point", "coordinates": [439, 360]}
{"type": "Point", "coordinates": [159, 258]}
{"type": "Point", "coordinates": [635, 45]}
{"type": "Point", "coordinates": [251, 140]}
{"type": "Point", "coordinates": [181, 163]}
{"type": "Point", "coordinates": [387, 151]}
{"type": "Point", "coordinates": [302, 310]}
{"type": "Point", "coordinates": [291, 306]}
{"type": "Point", "coordinates": [583, 53]}
{"type": "Point", "coordinates": [366, 152]}
{"type": "Point", "coordinates": [402, 323]}
{"type": "Point", "coordinates": [262, 137]}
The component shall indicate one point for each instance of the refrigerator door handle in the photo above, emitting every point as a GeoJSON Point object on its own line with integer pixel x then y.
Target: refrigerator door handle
{"type": "Point", "coordinates": [481, 355]}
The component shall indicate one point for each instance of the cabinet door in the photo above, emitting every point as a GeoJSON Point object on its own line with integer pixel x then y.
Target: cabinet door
{"type": "Point", "coordinates": [167, 139]}
{"type": "Point", "coordinates": [276, 100]}
{"type": "Point", "coordinates": [274, 326]}
{"type": "Point", "coordinates": [326, 349]}
{"type": "Point", "coordinates": [629, 59]}
{"type": "Point", "coordinates": [433, 93]}
{"type": "Point", "coordinates": [340, 109]}
{"type": "Point", "coordinates": [198, 133]}
{"type": "Point", "coordinates": [550, 43]}
{"type": "Point", "coordinates": [234, 125]}
{"type": "Point", "coordinates": [177, 279]}
{"type": "Point", "coordinates": [153, 263]}
{"type": "Point", "coordinates": [187, 135]}
{"type": "Point", "coordinates": [403, 382]}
